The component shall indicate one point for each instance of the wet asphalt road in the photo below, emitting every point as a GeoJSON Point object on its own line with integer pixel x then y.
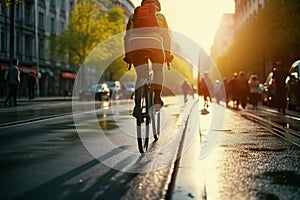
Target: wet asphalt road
{"type": "Point", "coordinates": [46, 159]}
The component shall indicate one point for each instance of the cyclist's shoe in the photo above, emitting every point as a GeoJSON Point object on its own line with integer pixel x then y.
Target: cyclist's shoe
{"type": "Point", "coordinates": [136, 113]}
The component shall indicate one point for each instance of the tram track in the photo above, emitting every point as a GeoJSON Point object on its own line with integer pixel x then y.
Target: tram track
{"type": "Point", "coordinates": [285, 133]}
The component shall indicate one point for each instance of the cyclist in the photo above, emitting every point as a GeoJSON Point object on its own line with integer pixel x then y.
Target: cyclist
{"type": "Point", "coordinates": [157, 57]}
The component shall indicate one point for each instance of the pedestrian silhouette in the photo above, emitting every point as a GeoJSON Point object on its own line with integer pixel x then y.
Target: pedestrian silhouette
{"type": "Point", "coordinates": [31, 85]}
{"type": "Point", "coordinates": [13, 78]}
{"type": "Point", "coordinates": [2, 84]}
{"type": "Point", "coordinates": [206, 88]}
{"type": "Point", "coordinates": [232, 89]}
{"type": "Point", "coordinates": [254, 91]}
{"type": "Point", "coordinates": [218, 91]}
{"type": "Point", "coordinates": [226, 91]}
{"type": "Point", "coordinates": [186, 89]}
{"type": "Point", "coordinates": [243, 89]}
{"type": "Point", "coordinates": [279, 76]}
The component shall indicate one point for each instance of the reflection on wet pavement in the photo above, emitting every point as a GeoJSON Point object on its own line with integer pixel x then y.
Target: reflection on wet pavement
{"type": "Point", "coordinates": [108, 124]}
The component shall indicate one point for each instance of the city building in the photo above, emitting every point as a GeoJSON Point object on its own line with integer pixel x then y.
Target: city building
{"type": "Point", "coordinates": [245, 9]}
{"type": "Point", "coordinates": [223, 36]}
{"type": "Point", "coordinates": [35, 21]}
{"type": "Point", "coordinates": [230, 23]}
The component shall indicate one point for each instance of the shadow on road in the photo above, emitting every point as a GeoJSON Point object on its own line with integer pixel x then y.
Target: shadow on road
{"type": "Point", "coordinates": [97, 186]}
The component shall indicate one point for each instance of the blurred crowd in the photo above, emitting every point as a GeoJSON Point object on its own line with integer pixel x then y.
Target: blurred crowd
{"type": "Point", "coordinates": [240, 90]}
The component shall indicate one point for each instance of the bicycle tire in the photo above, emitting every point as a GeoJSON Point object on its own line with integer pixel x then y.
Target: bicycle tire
{"type": "Point", "coordinates": [157, 123]}
{"type": "Point", "coordinates": [153, 114]}
{"type": "Point", "coordinates": [143, 119]}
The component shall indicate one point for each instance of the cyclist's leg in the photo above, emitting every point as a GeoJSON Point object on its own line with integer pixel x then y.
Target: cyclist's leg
{"type": "Point", "coordinates": [141, 73]}
{"type": "Point", "coordinates": [157, 60]}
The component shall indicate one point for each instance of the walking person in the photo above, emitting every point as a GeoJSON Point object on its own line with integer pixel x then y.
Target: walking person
{"type": "Point", "coordinates": [226, 91]}
{"type": "Point", "coordinates": [31, 85]}
{"type": "Point", "coordinates": [13, 83]}
{"type": "Point", "coordinates": [218, 91]}
{"type": "Point", "coordinates": [206, 88]}
{"type": "Point", "coordinates": [243, 89]}
{"type": "Point", "coordinates": [186, 89]}
{"type": "Point", "coordinates": [233, 90]}
{"type": "Point", "coordinates": [254, 91]}
{"type": "Point", "coordinates": [2, 84]}
{"type": "Point", "coordinates": [279, 76]}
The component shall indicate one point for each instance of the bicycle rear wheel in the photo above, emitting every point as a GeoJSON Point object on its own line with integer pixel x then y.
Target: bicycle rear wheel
{"type": "Point", "coordinates": [142, 119]}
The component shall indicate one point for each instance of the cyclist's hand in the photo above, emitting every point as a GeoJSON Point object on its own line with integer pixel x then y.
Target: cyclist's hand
{"type": "Point", "coordinates": [169, 60]}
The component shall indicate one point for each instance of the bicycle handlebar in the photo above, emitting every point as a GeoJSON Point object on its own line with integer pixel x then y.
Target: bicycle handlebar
{"type": "Point", "coordinates": [168, 64]}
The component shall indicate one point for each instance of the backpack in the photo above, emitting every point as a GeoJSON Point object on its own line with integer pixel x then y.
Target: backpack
{"type": "Point", "coordinates": [145, 16]}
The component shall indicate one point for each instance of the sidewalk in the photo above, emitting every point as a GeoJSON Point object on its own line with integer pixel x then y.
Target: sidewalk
{"type": "Point", "coordinates": [38, 99]}
{"type": "Point", "coordinates": [25, 102]}
{"type": "Point", "coordinates": [204, 176]}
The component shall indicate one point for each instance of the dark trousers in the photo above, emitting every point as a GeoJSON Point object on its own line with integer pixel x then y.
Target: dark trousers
{"type": "Point", "coordinates": [12, 93]}
{"type": "Point", "coordinates": [31, 91]}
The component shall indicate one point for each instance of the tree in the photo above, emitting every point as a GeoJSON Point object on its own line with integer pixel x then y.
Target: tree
{"type": "Point", "coordinates": [89, 25]}
{"type": "Point", "coordinates": [9, 3]}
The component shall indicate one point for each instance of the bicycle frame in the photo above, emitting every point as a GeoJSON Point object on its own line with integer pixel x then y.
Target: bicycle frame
{"type": "Point", "coordinates": [147, 112]}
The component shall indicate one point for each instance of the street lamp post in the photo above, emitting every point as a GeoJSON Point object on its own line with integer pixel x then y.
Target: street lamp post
{"type": "Point", "coordinates": [12, 31]}
{"type": "Point", "coordinates": [37, 48]}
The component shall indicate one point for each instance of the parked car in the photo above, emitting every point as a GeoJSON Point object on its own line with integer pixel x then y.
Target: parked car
{"type": "Point", "coordinates": [95, 92]}
{"type": "Point", "coordinates": [115, 89]}
{"type": "Point", "coordinates": [128, 89]}
{"type": "Point", "coordinates": [269, 91]}
{"type": "Point", "coordinates": [293, 86]}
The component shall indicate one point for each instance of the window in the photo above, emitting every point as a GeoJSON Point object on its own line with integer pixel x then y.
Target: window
{"type": "Point", "coordinates": [18, 11]}
{"type": "Point", "coordinates": [42, 3]}
{"type": "Point", "coordinates": [19, 43]}
{"type": "Point", "coordinates": [28, 13]}
{"type": "Point", "coordinates": [52, 25]}
{"type": "Point", "coordinates": [71, 5]}
{"type": "Point", "coordinates": [2, 40]}
{"type": "Point", "coordinates": [41, 48]}
{"type": "Point", "coordinates": [52, 2]}
{"type": "Point", "coordinates": [62, 26]}
{"type": "Point", "coordinates": [63, 4]}
{"type": "Point", "coordinates": [41, 20]}
{"type": "Point", "coordinates": [28, 46]}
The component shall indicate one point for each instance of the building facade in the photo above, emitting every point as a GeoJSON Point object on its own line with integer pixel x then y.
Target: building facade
{"type": "Point", "coordinates": [245, 9]}
{"type": "Point", "coordinates": [35, 22]}
{"type": "Point", "coordinates": [230, 23]}
{"type": "Point", "coordinates": [223, 36]}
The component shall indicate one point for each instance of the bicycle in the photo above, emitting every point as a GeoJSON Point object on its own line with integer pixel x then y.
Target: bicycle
{"type": "Point", "coordinates": [148, 113]}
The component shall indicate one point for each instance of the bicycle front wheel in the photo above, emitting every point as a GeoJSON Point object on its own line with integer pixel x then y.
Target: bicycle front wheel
{"type": "Point", "coordinates": [156, 124]}
{"type": "Point", "coordinates": [142, 119]}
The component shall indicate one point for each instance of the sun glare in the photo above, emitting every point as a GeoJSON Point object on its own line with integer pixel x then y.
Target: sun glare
{"type": "Point", "coordinates": [196, 19]}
